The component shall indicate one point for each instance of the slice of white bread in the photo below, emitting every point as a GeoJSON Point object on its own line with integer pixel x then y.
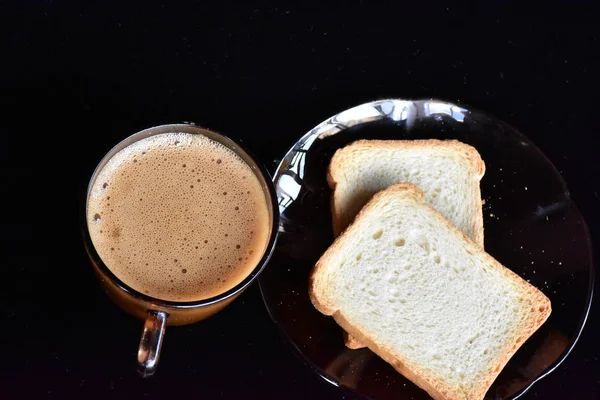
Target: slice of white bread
{"type": "Point", "coordinates": [448, 171]}
{"type": "Point", "coordinates": [423, 296]}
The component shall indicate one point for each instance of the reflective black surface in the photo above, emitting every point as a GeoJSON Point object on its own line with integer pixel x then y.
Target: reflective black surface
{"type": "Point", "coordinates": [76, 77]}
{"type": "Point", "coordinates": [531, 226]}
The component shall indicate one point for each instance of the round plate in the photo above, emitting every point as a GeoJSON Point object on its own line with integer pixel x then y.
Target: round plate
{"type": "Point", "coordinates": [531, 226]}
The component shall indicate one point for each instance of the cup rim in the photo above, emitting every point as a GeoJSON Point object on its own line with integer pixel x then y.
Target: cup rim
{"type": "Point", "coordinates": [170, 304]}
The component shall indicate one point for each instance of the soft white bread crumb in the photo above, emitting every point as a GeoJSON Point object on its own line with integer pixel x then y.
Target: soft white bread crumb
{"type": "Point", "coordinates": [426, 298]}
{"type": "Point", "coordinates": [448, 172]}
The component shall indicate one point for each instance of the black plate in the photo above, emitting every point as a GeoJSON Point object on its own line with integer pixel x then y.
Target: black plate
{"type": "Point", "coordinates": [531, 226]}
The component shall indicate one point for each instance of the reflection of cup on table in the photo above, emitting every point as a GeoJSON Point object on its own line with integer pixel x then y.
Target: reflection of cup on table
{"type": "Point", "coordinates": [179, 221]}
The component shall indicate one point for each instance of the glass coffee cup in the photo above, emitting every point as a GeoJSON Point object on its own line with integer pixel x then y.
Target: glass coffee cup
{"type": "Point", "coordinates": [179, 221]}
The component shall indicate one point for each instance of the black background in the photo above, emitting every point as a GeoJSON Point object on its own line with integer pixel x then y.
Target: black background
{"type": "Point", "coordinates": [77, 77]}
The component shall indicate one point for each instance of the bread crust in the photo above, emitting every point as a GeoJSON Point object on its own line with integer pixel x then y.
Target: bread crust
{"type": "Point", "coordinates": [351, 342]}
{"type": "Point", "coordinates": [539, 303]}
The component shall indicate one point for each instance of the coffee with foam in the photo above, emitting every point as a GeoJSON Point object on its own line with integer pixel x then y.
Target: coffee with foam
{"type": "Point", "coordinates": [178, 216]}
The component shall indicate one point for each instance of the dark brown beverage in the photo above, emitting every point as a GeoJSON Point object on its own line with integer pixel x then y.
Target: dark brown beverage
{"type": "Point", "coordinates": [179, 217]}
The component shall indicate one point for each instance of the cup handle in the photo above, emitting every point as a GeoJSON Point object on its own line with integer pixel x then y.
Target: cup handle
{"type": "Point", "coordinates": [151, 342]}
